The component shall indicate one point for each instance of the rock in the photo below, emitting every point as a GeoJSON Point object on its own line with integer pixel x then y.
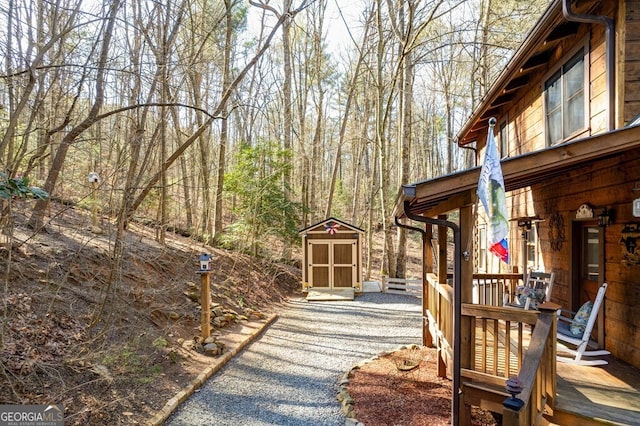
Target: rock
{"type": "Point", "coordinates": [210, 339]}
{"type": "Point", "coordinates": [348, 410]}
{"type": "Point", "coordinates": [212, 349]}
{"type": "Point", "coordinates": [193, 296]}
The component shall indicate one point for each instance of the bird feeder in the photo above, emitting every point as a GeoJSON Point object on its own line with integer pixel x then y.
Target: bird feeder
{"type": "Point", "coordinates": [205, 262]}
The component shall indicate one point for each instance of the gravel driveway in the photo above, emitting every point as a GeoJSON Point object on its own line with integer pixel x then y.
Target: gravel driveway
{"type": "Point", "coordinates": [290, 375]}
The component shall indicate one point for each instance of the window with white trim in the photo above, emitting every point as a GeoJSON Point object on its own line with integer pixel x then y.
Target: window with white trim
{"type": "Point", "coordinates": [565, 99]}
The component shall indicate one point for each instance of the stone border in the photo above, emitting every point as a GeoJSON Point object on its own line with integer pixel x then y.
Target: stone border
{"type": "Point", "coordinates": [217, 364]}
{"type": "Point", "coordinates": [347, 402]}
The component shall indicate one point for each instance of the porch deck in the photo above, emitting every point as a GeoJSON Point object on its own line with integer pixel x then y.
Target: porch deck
{"type": "Point", "coordinates": [608, 394]}
{"type": "Point", "coordinates": [585, 395]}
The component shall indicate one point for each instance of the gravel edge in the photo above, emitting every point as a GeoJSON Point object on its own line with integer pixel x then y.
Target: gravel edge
{"type": "Point", "coordinates": [173, 403]}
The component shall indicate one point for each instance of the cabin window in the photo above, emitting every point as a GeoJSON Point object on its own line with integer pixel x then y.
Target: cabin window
{"type": "Point", "coordinates": [482, 247]}
{"type": "Point", "coordinates": [504, 142]}
{"type": "Point", "coordinates": [564, 95]}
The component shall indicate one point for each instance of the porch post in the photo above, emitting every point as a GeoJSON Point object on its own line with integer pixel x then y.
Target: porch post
{"type": "Point", "coordinates": [427, 268]}
{"type": "Point", "coordinates": [467, 349]}
{"type": "Point", "coordinates": [443, 265]}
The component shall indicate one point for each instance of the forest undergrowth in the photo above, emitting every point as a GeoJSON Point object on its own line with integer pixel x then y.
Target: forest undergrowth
{"type": "Point", "coordinates": [113, 351]}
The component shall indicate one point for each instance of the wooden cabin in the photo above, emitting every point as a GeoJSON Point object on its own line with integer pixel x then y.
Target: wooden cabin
{"type": "Point", "coordinates": [566, 108]}
{"type": "Point", "coordinates": [332, 256]}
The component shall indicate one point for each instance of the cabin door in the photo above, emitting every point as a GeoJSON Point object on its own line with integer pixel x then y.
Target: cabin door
{"type": "Point", "coordinates": [332, 264]}
{"type": "Point", "coordinates": [588, 266]}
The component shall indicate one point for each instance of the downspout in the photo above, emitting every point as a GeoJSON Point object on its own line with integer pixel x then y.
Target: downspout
{"type": "Point", "coordinates": [609, 52]}
{"type": "Point", "coordinates": [424, 276]}
{"type": "Point", "coordinates": [457, 303]}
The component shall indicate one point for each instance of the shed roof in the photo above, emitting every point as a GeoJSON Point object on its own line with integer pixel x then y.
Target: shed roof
{"type": "Point", "coordinates": [331, 219]}
{"type": "Point", "coordinates": [445, 193]}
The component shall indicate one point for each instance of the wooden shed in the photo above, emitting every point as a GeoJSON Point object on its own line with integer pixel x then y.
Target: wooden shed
{"type": "Point", "coordinates": [332, 257]}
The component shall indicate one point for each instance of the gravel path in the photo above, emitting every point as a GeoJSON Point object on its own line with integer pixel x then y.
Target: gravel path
{"type": "Point", "coordinates": [290, 375]}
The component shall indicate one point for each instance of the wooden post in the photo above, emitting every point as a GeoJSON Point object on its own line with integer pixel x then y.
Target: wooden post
{"type": "Point", "coordinates": [205, 301]}
{"type": "Point", "coordinates": [94, 210]}
{"type": "Point", "coordinates": [442, 251]}
{"type": "Point", "coordinates": [442, 279]}
{"type": "Point", "coordinates": [427, 267]}
{"type": "Point", "coordinates": [467, 346]}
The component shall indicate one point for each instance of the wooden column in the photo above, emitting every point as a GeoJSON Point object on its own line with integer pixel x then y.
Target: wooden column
{"type": "Point", "coordinates": [466, 292]}
{"type": "Point", "coordinates": [442, 279]}
{"type": "Point", "coordinates": [428, 248]}
{"type": "Point", "coordinates": [442, 251]}
{"type": "Point", "coordinates": [427, 267]}
{"type": "Point", "coordinates": [205, 302]}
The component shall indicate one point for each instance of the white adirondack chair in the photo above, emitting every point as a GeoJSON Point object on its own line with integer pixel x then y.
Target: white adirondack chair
{"type": "Point", "coordinates": [580, 342]}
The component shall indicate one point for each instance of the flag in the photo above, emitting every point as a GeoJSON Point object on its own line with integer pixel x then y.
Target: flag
{"type": "Point", "coordinates": [331, 227]}
{"type": "Point", "coordinates": [492, 195]}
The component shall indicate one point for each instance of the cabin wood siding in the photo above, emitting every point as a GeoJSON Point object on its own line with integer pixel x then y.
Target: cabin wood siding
{"type": "Point", "coordinates": [607, 183]}
{"type": "Point", "coordinates": [629, 72]}
{"type": "Point", "coordinates": [526, 125]}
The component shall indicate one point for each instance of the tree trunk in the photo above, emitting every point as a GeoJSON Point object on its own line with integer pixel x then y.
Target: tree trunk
{"type": "Point", "coordinates": [36, 220]}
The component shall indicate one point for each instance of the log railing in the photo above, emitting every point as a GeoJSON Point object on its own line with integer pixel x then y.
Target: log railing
{"type": "Point", "coordinates": [504, 343]}
{"type": "Point", "coordinates": [494, 289]}
{"type": "Point", "coordinates": [537, 377]}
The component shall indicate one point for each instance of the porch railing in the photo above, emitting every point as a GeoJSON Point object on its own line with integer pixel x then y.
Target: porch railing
{"type": "Point", "coordinates": [499, 343]}
{"type": "Point", "coordinates": [495, 289]}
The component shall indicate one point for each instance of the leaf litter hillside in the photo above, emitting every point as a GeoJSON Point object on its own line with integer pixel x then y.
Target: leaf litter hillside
{"type": "Point", "coordinates": [114, 346]}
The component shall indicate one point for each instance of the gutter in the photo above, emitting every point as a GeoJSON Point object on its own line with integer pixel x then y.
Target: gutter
{"type": "Point", "coordinates": [610, 36]}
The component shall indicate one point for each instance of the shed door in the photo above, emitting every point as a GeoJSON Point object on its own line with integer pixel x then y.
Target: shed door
{"type": "Point", "coordinates": [332, 263]}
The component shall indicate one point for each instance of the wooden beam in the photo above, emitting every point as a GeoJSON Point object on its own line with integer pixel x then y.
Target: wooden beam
{"type": "Point", "coordinates": [536, 61]}
{"type": "Point", "coordinates": [561, 32]}
{"type": "Point", "coordinates": [502, 100]}
{"type": "Point", "coordinates": [515, 84]}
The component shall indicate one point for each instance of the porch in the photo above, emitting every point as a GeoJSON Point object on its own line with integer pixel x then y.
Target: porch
{"type": "Point", "coordinates": [499, 343]}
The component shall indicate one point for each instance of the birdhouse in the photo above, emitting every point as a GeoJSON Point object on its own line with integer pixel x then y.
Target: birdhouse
{"type": "Point", "coordinates": [94, 177]}
{"type": "Point", "coordinates": [205, 262]}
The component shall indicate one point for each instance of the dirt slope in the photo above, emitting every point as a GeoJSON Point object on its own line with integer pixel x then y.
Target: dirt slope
{"type": "Point", "coordinates": [113, 351]}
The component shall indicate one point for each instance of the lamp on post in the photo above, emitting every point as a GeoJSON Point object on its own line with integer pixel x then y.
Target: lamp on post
{"type": "Point", "coordinates": [205, 298]}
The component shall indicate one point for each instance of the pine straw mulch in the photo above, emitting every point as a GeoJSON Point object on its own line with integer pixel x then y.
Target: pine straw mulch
{"type": "Point", "coordinates": [388, 392]}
